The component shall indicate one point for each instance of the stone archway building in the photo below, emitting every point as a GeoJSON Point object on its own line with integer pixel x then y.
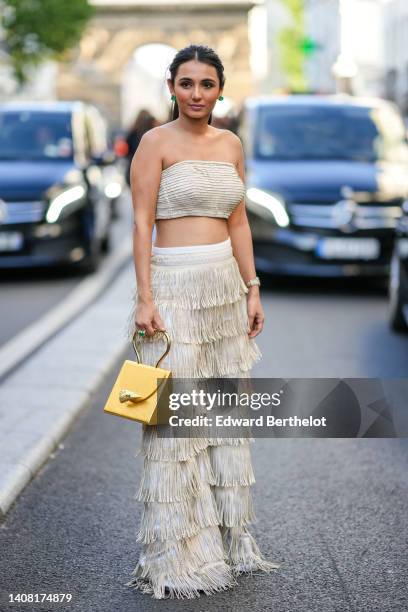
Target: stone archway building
{"type": "Point", "coordinates": [93, 71]}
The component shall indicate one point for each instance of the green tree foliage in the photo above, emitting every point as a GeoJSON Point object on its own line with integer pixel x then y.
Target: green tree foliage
{"type": "Point", "coordinates": [290, 41]}
{"type": "Point", "coordinates": [34, 30]}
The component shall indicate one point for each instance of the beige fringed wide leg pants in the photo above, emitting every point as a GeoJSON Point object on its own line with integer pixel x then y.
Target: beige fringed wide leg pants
{"type": "Point", "coordinates": [197, 491]}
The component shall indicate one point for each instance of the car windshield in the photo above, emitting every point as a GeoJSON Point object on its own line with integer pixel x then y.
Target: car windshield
{"type": "Point", "coordinates": [317, 132]}
{"type": "Point", "coordinates": [36, 135]}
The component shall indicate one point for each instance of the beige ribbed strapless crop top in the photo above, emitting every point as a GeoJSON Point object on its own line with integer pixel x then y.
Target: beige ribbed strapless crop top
{"type": "Point", "coordinates": [202, 188]}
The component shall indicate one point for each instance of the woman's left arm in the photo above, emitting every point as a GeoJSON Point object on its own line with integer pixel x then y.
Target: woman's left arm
{"type": "Point", "coordinates": [241, 240]}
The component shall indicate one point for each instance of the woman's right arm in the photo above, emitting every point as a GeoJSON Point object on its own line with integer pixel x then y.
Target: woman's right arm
{"type": "Point", "coordinates": [145, 174]}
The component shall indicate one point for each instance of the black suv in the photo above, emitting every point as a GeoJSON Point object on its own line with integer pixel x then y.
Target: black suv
{"type": "Point", "coordinates": [54, 202]}
{"type": "Point", "coordinates": [326, 179]}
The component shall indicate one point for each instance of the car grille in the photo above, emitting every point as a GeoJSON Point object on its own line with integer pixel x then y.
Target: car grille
{"type": "Point", "coordinates": [364, 216]}
{"type": "Point", "coordinates": [23, 212]}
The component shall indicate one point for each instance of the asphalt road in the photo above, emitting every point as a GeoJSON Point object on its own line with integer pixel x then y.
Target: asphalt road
{"type": "Point", "coordinates": [332, 511]}
{"type": "Point", "coordinates": [329, 328]}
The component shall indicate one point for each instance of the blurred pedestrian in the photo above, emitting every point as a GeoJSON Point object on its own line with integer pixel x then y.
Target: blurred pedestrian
{"type": "Point", "coordinates": [144, 122]}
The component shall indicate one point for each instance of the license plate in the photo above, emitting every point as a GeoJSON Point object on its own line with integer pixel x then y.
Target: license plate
{"type": "Point", "coordinates": [348, 248]}
{"type": "Point", "coordinates": [11, 241]}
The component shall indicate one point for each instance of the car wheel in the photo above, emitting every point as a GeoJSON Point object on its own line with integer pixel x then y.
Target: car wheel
{"type": "Point", "coordinates": [397, 285]}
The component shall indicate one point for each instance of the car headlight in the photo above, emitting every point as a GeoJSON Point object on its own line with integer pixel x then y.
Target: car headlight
{"type": "Point", "coordinates": [113, 190]}
{"type": "Point", "coordinates": [62, 200]}
{"type": "Point", "coordinates": [267, 204]}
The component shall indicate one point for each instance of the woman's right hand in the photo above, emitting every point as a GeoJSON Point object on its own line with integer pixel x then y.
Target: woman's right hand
{"type": "Point", "coordinates": [148, 318]}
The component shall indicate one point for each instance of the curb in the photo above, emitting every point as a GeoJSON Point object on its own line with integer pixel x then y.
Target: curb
{"type": "Point", "coordinates": [41, 399]}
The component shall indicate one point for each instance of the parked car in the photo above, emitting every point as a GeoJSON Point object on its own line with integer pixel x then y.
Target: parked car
{"type": "Point", "coordinates": [56, 187]}
{"type": "Point", "coordinates": [326, 179]}
{"type": "Point", "coordinates": [398, 279]}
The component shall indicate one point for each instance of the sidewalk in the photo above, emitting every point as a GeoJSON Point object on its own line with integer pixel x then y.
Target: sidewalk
{"type": "Point", "coordinates": [41, 399]}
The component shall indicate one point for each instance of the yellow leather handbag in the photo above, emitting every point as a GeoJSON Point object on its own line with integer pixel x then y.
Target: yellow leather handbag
{"type": "Point", "coordinates": [139, 388]}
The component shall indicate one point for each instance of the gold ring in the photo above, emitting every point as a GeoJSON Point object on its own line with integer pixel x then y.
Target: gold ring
{"type": "Point", "coordinates": [141, 332]}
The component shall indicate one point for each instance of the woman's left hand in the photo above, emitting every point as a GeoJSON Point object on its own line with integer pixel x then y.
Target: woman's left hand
{"type": "Point", "coordinates": [255, 311]}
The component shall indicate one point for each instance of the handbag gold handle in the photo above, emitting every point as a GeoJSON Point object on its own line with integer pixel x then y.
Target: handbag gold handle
{"type": "Point", "coordinates": [156, 331]}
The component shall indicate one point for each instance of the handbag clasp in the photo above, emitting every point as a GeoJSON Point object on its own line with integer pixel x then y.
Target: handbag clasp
{"type": "Point", "coordinates": [126, 395]}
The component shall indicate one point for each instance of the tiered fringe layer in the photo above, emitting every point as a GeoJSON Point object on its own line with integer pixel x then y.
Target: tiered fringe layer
{"type": "Point", "coordinates": [196, 491]}
{"type": "Point", "coordinates": [203, 307]}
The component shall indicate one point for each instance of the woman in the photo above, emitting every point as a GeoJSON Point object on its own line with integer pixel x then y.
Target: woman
{"type": "Point", "coordinates": [199, 285]}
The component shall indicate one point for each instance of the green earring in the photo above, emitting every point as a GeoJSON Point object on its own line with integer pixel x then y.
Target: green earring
{"type": "Point", "coordinates": [221, 98]}
{"type": "Point", "coordinates": [173, 97]}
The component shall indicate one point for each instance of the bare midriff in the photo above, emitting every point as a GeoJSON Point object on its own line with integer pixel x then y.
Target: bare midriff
{"type": "Point", "coordinates": [186, 231]}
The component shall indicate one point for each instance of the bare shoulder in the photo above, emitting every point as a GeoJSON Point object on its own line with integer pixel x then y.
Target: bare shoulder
{"type": "Point", "coordinates": [150, 149]}
{"type": "Point", "coordinates": [232, 141]}
{"type": "Point", "coordinates": [154, 136]}
{"type": "Point", "coordinates": [231, 144]}
{"type": "Point", "coordinates": [146, 164]}
{"type": "Point", "coordinates": [230, 135]}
